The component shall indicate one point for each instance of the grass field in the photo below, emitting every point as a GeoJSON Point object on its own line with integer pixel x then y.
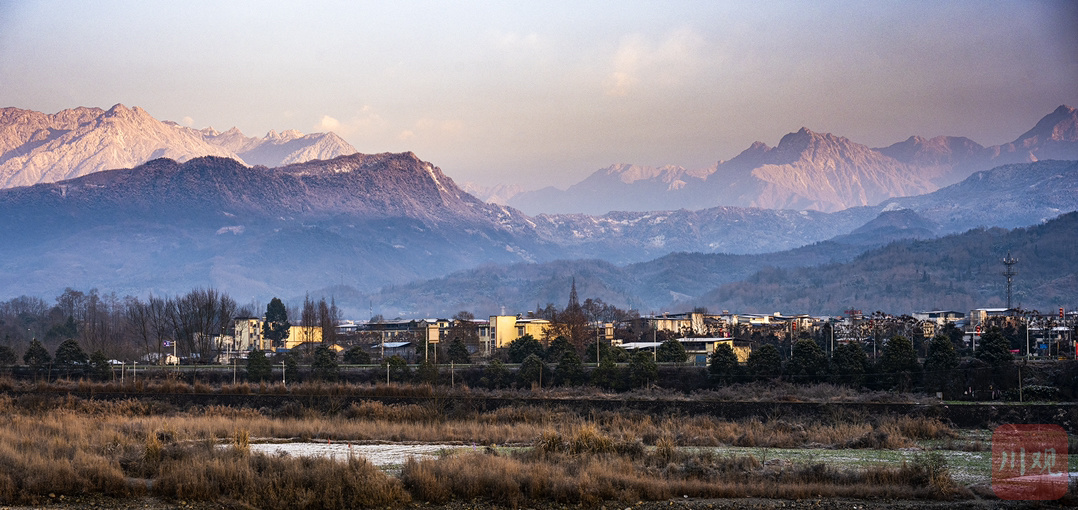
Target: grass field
{"type": "Point", "coordinates": [60, 445]}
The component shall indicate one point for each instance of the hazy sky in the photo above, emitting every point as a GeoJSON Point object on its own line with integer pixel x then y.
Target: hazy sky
{"type": "Point", "coordinates": [539, 93]}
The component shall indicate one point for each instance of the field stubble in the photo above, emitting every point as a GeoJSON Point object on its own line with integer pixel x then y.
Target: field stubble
{"type": "Point", "coordinates": [137, 449]}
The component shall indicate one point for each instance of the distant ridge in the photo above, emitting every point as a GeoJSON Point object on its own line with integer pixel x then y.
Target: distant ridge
{"type": "Point", "coordinates": [39, 148]}
{"type": "Point", "coordinates": [369, 220]}
{"type": "Point", "coordinates": [806, 171]}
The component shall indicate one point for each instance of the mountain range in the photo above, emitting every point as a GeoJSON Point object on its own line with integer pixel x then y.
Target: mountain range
{"type": "Point", "coordinates": [956, 272]}
{"type": "Point", "coordinates": [806, 171]}
{"type": "Point", "coordinates": [359, 223]}
{"type": "Point", "coordinates": [395, 229]}
{"type": "Point", "coordinates": [40, 148]}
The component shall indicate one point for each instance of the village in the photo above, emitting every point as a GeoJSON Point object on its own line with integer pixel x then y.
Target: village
{"type": "Point", "coordinates": [1032, 334]}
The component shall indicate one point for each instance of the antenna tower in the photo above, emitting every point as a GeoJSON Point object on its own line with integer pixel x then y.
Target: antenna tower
{"type": "Point", "coordinates": [1009, 261]}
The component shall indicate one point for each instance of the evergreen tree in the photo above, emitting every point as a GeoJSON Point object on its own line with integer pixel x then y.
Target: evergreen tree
{"type": "Point", "coordinates": [994, 348]}
{"type": "Point", "coordinates": [849, 364]}
{"type": "Point", "coordinates": [258, 367]}
{"type": "Point", "coordinates": [607, 375]}
{"type": "Point", "coordinates": [899, 364]}
{"type": "Point", "coordinates": [523, 347]}
{"type": "Point", "coordinates": [36, 356]}
{"type": "Point", "coordinates": [324, 365]}
{"type": "Point", "coordinates": [557, 348]}
{"type": "Point", "coordinates": [100, 366]}
{"type": "Point", "coordinates": [69, 355]}
{"type": "Point", "coordinates": [642, 369]}
{"type": "Point", "coordinates": [357, 355]}
{"type": "Point", "coordinates": [7, 357]}
{"type": "Point", "coordinates": [533, 371]}
{"type": "Point", "coordinates": [765, 362]}
{"type": "Point", "coordinates": [68, 330]}
{"type": "Point", "coordinates": [570, 370]}
{"type": "Point", "coordinates": [722, 364]}
{"type": "Point", "coordinates": [497, 374]}
{"type": "Point", "coordinates": [458, 352]}
{"type": "Point", "coordinates": [291, 368]}
{"type": "Point", "coordinates": [397, 368]}
{"type": "Point", "coordinates": [808, 362]}
{"type": "Point", "coordinates": [940, 363]}
{"type": "Point", "coordinates": [427, 372]}
{"type": "Point", "coordinates": [276, 327]}
{"type": "Point", "coordinates": [671, 351]}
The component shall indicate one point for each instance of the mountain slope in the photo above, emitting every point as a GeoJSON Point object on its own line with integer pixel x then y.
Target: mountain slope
{"type": "Point", "coordinates": [48, 148]}
{"type": "Point", "coordinates": [957, 272]}
{"type": "Point", "coordinates": [807, 170]}
{"type": "Point", "coordinates": [280, 149]}
{"type": "Point", "coordinates": [823, 172]}
{"type": "Point", "coordinates": [368, 220]}
{"type": "Point", "coordinates": [38, 148]}
{"type": "Point", "coordinates": [1009, 196]}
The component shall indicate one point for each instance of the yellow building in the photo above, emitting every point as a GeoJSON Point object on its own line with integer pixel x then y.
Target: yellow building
{"type": "Point", "coordinates": [742, 349]}
{"type": "Point", "coordinates": [301, 335]}
{"type": "Point", "coordinates": [501, 330]}
{"type": "Point", "coordinates": [248, 335]}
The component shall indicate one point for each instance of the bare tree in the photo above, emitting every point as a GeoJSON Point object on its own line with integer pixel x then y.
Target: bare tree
{"type": "Point", "coordinates": [137, 320]}
{"type": "Point", "coordinates": [328, 319]}
{"type": "Point", "coordinates": [308, 319]}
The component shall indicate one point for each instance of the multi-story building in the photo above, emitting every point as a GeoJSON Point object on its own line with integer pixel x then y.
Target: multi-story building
{"type": "Point", "coordinates": [700, 349]}
{"type": "Point", "coordinates": [247, 336]}
{"type": "Point", "coordinates": [500, 330]}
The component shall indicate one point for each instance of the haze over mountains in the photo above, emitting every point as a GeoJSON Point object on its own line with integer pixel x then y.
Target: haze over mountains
{"type": "Point", "coordinates": [361, 222]}
{"type": "Point", "coordinates": [957, 272]}
{"type": "Point", "coordinates": [37, 147]}
{"type": "Point", "coordinates": [391, 227]}
{"type": "Point", "coordinates": [806, 170]}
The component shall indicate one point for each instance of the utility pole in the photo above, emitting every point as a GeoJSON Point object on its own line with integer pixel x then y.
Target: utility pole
{"type": "Point", "coordinates": [283, 371]}
{"type": "Point", "coordinates": [1027, 338]}
{"type": "Point", "coordinates": [831, 325]}
{"type": "Point", "coordinates": [654, 340]}
{"type": "Point", "coordinates": [597, 347]}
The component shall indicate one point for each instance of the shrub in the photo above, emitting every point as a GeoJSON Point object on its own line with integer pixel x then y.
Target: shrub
{"type": "Point", "coordinates": [258, 367]}
{"type": "Point", "coordinates": [357, 356]}
{"type": "Point", "coordinates": [671, 351]}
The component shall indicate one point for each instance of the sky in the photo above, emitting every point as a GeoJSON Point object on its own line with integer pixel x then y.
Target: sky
{"type": "Point", "coordinates": [545, 93]}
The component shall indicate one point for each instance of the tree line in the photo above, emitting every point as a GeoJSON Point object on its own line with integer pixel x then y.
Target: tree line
{"type": "Point", "coordinates": [132, 328]}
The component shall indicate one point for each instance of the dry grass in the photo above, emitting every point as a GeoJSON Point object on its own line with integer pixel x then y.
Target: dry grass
{"type": "Point", "coordinates": [59, 444]}
{"type": "Point", "coordinates": [262, 481]}
{"type": "Point", "coordinates": [591, 479]}
{"type": "Point", "coordinates": [158, 380]}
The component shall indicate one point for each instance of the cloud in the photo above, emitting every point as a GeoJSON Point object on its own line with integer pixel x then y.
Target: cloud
{"type": "Point", "coordinates": [619, 83]}
{"type": "Point", "coordinates": [370, 126]}
{"type": "Point", "coordinates": [328, 124]}
{"type": "Point", "coordinates": [639, 61]}
{"type": "Point", "coordinates": [364, 123]}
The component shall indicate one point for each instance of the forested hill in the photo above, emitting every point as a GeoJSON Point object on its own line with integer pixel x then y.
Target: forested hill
{"type": "Point", "coordinates": [957, 272]}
